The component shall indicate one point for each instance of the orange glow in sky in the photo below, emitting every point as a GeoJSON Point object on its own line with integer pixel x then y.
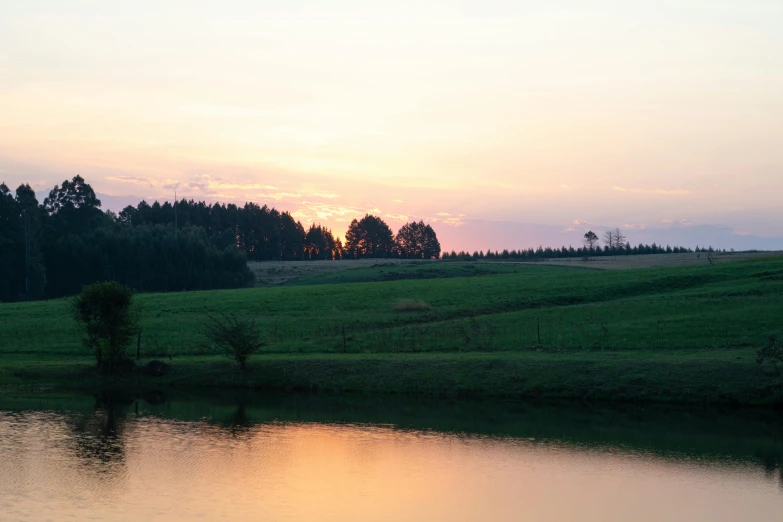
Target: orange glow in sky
{"type": "Point", "coordinates": [633, 114]}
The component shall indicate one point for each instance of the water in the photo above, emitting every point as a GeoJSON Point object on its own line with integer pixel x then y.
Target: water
{"type": "Point", "coordinates": [327, 458]}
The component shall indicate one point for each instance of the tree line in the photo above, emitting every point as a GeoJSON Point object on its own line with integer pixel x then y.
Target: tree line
{"type": "Point", "coordinates": [265, 234]}
{"type": "Point", "coordinates": [53, 248]}
{"type": "Point", "coordinates": [615, 244]}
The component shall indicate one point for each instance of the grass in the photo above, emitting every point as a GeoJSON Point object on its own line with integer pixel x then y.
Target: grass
{"type": "Point", "coordinates": [624, 262]}
{"type": "Point", "coordinates": [411, 305]}
{"type": "Point", "coordinates": [671, 334]}
{"type": "Point", "coordinates": [682, 376]}
{"type": "Point", "coordinates": [402, 270]}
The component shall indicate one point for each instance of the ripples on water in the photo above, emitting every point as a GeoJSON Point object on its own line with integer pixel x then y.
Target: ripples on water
{"type": "Point", "coordinates": [107, 462]}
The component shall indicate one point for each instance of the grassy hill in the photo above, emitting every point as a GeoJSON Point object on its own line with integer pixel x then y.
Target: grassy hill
{"type": "Point", "coordinates": [524, 318]}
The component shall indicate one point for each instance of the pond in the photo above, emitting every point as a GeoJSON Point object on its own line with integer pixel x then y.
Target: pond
{"type": "Point", "coordinates": [248, 457]}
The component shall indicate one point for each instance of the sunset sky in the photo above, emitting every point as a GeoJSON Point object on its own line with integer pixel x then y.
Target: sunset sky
{"type": "Point", "coordinates": [503, 123]}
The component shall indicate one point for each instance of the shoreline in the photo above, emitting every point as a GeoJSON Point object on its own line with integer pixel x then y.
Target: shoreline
{"type": "Point", "coordinates": [721, 377]}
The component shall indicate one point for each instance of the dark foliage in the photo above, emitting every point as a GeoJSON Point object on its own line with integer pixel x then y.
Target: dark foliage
{"type": "Point", "coordinates": [369, 237]}
{"type": "Point", "coordinates": [532, 254]}
{"type": "Point", "coordinates": [590, 239]}
{"type": "Point", "coordinates": [53, 249]}
{"type": "Point", "coordinates": [771, 353]}
{"type": "Point", "coordinates": [109, 320]}
{"type": "Point", "coordinates": [234, 338]}
{"type": "Point", "coordinates": [417, 240]}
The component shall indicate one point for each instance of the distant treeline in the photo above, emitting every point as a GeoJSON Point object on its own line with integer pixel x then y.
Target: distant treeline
{"type": "Point", "coordinates": [265, 234]}
{"type": "Point", "coordinates": [51, 249]}
{"type": "Point", "coordinates": [563, 252]}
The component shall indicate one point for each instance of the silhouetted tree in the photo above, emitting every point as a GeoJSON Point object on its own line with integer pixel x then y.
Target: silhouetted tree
{"type": "Point", "coordinates": [369, 237]}
{"type": "Point", "coordinates": [319, 243]}
{"type": "Point", "coordinates": [590, 239]}
{"type": "Point", "coordinates": [614, 239]}
{"type": "Point", "coordinates": [417, 241]}
{"type": "Point", "coordinates": [74, 207]}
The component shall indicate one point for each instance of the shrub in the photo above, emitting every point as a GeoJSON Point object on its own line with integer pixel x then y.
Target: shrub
{"type": "Point", "coordinates": [109, 319]}
{"type": "Point", "coordinates": [411, 305]}
{"type": "Point", "coordinates": [234, 338]}
{"type": "Point", "coordinates": [772, 353]}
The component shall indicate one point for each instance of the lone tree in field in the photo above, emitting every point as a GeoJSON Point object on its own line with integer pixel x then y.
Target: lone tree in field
{"type": "Point", "coordinates": [234, 338]}
{"type": "Point", "coordinates": [590, 240]}
{"type": "Point", "coordinates": [107, 316]}
{"type": "Point", "coordinates": [417, 241]}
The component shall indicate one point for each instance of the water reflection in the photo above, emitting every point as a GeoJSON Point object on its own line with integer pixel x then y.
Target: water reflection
{"type": "Point", "coordinates": [97, 438]}
{"type": "Point", "coordinates": [162, 457]}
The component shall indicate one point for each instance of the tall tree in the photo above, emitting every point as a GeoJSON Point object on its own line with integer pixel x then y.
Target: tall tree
{"type": "Point", "coordinates": [73, 207]}
{"type": "Point", "coordinates": [11, 246]}
{"type": "Point", "coordinates": [619, 239]}
{"type": "Point", "coordinates": [590, 239]}
{"type": "Point", "coordinates": [614, 239]}
{"type": "Point", "coordinates": [417, 240]}
{"type": "Point", "coordinates": [369, 237]}
{"type": "Point", "coordinates": [33, 219]}
{"type": "Point", "coordinates": [321, 244]}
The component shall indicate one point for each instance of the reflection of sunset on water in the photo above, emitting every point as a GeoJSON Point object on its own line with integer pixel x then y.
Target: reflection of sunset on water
{"type": "Point", "coordinates": [175, 470]}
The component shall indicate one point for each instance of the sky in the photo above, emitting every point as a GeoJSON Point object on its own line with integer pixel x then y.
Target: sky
{"type": "Point", "coordinates": [505, 124]}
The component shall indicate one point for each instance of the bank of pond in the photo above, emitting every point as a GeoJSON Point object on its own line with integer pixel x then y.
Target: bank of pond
{"type": "Point", "coordinates": [731, 377]}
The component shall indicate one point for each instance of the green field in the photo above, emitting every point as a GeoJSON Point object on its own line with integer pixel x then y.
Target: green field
{"type": "Point", "coordinates": [505, 329]}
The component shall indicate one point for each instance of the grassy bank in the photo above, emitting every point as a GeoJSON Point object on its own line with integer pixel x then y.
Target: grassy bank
{"type": "Point", "coordinates": [684, 334]}
{"type": "Point", "coordinates": [682, 376]}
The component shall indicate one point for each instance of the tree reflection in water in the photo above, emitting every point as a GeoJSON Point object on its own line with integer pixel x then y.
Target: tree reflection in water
{"type": "Point", "coordinates": [98, 439]}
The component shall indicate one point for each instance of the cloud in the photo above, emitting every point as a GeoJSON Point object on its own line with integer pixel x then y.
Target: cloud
{"type": "Point", "coordinates": [565, 187]}
{"type": "Point", "coordinates": [665, 192]}
{"type": "Point", "coordinates": [223, 111]}
{"type": "Point", "coordinates": [277, 196]}
{"type": "Point", "coordinates": [397, 200]}
{"type": "Point", "coordinates": [631, 226]}
{"type": "Point", "coordinates": [240, 186]}
{"type": "Point", "coordinates": [396, 217]}
{"type": "Point", "coordinates": [311, 211]}
{"type": "Point", "coordinates": [136, 180]}
{"type": "Point", "coordinates": [203, 187]}
{"type": "Point", "coordinates": [449, 220]}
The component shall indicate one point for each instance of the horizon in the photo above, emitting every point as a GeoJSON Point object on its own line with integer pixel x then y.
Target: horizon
{"type": "Point", "coordinates": [502, 125]}
{"type": "Point", "coordinates": [512, 235]}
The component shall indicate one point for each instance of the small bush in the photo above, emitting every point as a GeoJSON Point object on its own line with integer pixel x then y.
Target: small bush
{"type": "Point", "coordinates": [771, 353]}
{"type": "Point", "coordinates": [234, 338]}
{"type": "Point", "coordinates": [411, 305]}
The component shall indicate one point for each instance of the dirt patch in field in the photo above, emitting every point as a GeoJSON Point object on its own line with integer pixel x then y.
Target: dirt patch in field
{"type": "Point", "coordinates": [657, 260]}
{"type": "Point", "coordinates": [273, 273]}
